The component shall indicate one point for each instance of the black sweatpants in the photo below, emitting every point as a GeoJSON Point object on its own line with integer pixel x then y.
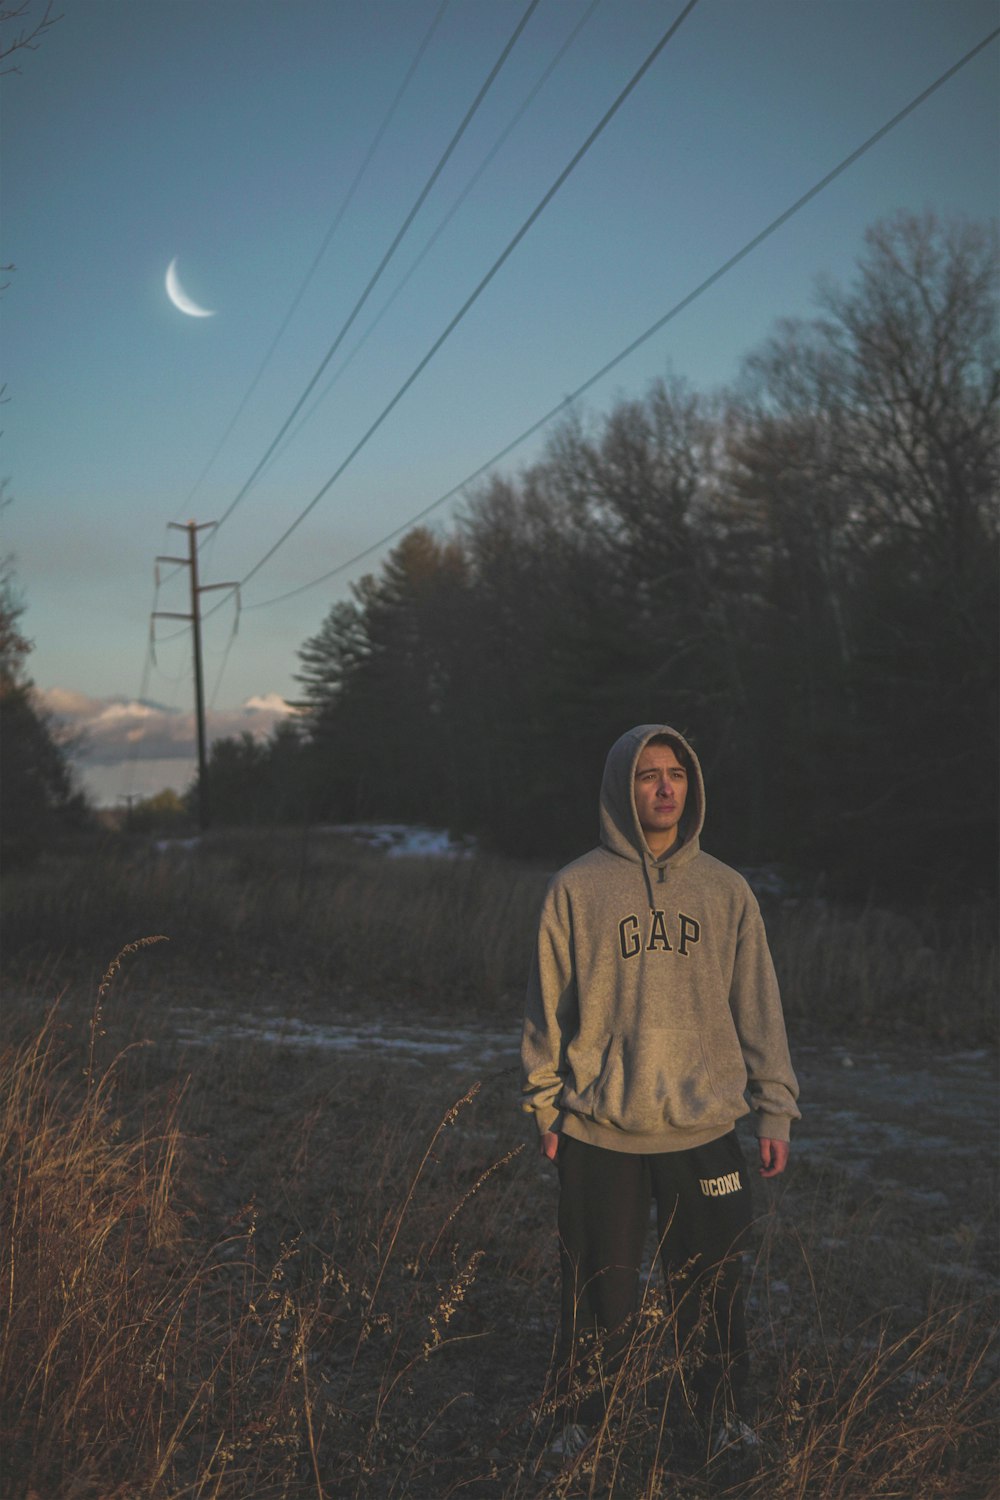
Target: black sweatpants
{"type": "Point", "coordinates": [702, 1214]}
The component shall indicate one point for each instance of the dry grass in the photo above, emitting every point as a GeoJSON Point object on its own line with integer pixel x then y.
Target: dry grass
{"type": "Point", "coordinates": [931, 974]}
{"type": "Point", "coordinates": [289, 1276]}
{"type": "Point", "coordinates": [321, 913]}
{"type": "Point", "coordinates": [248, 1271]}
{"type": "Point", "coordinates": [313, 912]}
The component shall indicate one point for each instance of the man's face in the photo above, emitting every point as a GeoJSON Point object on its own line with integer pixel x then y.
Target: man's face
{"type": "Point", "coordinates": [660, 790]}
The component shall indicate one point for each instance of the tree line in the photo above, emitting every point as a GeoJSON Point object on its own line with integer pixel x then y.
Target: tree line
{"type": "Point", "coordinates": [800, 573]}
{"type": "Point", "coordinates": [39, 800]}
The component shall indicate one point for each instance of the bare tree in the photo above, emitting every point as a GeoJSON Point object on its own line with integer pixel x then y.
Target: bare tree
{"type": "Point", "coordinates": [32, 27]}
{"type": "Point", "coordinates": [916, 342]}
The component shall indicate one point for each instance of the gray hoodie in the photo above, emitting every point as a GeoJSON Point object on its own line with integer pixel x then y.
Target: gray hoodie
{"type": "Point", "coordinates": [653, 1007]}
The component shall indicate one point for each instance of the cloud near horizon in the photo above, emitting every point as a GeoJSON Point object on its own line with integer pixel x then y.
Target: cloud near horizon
{"type": "Point", "coordinates": [112, 730]}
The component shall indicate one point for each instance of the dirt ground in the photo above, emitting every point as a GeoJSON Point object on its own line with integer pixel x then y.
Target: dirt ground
{"type": "Point", "coordinates": [893, 1123]}
{"type": "Point", "coordinates": [303, 1121]}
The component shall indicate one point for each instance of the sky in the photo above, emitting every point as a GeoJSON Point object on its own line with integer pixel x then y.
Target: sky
{"type": "Point", "coordinates": [273, 153]}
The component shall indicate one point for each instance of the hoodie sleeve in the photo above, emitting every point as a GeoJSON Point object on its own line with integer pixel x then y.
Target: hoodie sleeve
{"type": "Point", "coordinates": [756, 1009]}
{"type": "Point", "coordinates": [551, 1016]}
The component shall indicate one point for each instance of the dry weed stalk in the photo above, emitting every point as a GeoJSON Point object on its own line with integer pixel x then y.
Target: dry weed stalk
{"type": "Point", "coordinates": [90, 1204]}
{"type": "Point", "coordinates": [163, 1345]}
{"type": "Point", "coordinates": [97, 1015]}
{"type": "Point", "coordinates": [483, 1178]}
{"type": "Point", "coordinates": [448, 1118]}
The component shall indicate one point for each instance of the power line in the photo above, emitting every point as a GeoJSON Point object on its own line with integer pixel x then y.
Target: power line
{"type": "Point", "coordinates": [133, 749]}
{"type": "Point", "coordinates": [442, 226]}
{"type": "Point", "coordinates": [310, 273]}
{"type": "Point", "coordinates": [629, 349]}
{"type": "Point", "coordinates": [480, 288]}
{"type": "Point", "coordinates": [421, 197]}
{"type": "Point", "coordinates": [149, 664]}
{"type": "Point", "coordinates": [225, 656]}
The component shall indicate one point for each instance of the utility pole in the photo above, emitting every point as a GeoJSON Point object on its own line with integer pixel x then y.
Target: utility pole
{"type": "Point", "coordinates": [128, 798]}
{"type": "Point", "coordinates": [197, 589]}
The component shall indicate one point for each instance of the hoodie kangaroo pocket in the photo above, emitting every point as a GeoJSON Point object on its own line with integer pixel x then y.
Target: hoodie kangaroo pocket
{"type": "Point", "coordinates": [660, 1078]}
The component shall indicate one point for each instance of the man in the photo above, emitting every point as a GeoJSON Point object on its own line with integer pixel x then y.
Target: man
{"type": "Point", "coordinates": [652, 1010]}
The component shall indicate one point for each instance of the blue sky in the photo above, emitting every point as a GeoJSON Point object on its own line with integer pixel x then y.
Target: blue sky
{"type": "Point", "coordinates": [227, 135]}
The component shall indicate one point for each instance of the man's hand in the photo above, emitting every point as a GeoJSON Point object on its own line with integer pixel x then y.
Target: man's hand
{"type": "Point", "coordinates": [550, 1144]}
{"type": "Point", "coordinates": [773, 1156]}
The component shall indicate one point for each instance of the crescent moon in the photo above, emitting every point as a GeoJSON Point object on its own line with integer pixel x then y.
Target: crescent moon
{"type": "Point", "coordinates": [180, 298]}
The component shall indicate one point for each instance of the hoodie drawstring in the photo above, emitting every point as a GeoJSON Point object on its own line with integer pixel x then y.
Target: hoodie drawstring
{"type": "Point", "coordinates": [649, 879]}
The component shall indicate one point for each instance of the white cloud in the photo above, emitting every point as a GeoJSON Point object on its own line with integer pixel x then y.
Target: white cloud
{"type": "Point", "coordinates": [64, 703]}
{"type": "Point", "coordinates": [271, 703]}
{"type": "Point", "coordinates": [113, 730]}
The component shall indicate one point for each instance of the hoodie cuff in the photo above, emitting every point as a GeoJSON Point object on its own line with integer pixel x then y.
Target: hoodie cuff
{"type": "Point", "coordinates": [774, 1127]}
{"type": "Point", "coordinates": [547, 1119]}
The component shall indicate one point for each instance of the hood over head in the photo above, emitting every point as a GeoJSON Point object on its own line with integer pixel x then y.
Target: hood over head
{"type": "Point", "coordinates": [620, 830]}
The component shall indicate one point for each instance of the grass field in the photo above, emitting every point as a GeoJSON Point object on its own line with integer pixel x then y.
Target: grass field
{"type": "Point", "coordinates": [317, 1257]}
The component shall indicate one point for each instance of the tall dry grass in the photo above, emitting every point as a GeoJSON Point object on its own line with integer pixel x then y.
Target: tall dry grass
{"type": "Point", "coordinates": [158, 1344]}
{"type": "Point", "coordinates": [935, 974]}
{"type": "Point", "coordinates": [321, 911]}
{"type": "Point", "coordinates": [310, 910]}
{"type": "Point", "coordinates": [282, 1277]}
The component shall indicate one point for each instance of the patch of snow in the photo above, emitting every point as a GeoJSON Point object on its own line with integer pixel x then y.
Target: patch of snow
{"type": "Point", "coordinates": [461, 1046]}
{"type": "Point", "coordinates": [857, 1133]}
{"type": "Point", "coordinates": [405, 840]}
{"type": "Point", "coordinates": [928, 1197]}
{"type": "Point", "coordinates": [963, 1272]}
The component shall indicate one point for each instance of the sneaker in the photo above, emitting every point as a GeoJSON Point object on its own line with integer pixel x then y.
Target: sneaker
{"type": "Point", "coordinates": [733, 1433]}
{"type": "Point", "coordinates": [571, 1441]}
{"type": "Point", "coordinates": [737, 1447]}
